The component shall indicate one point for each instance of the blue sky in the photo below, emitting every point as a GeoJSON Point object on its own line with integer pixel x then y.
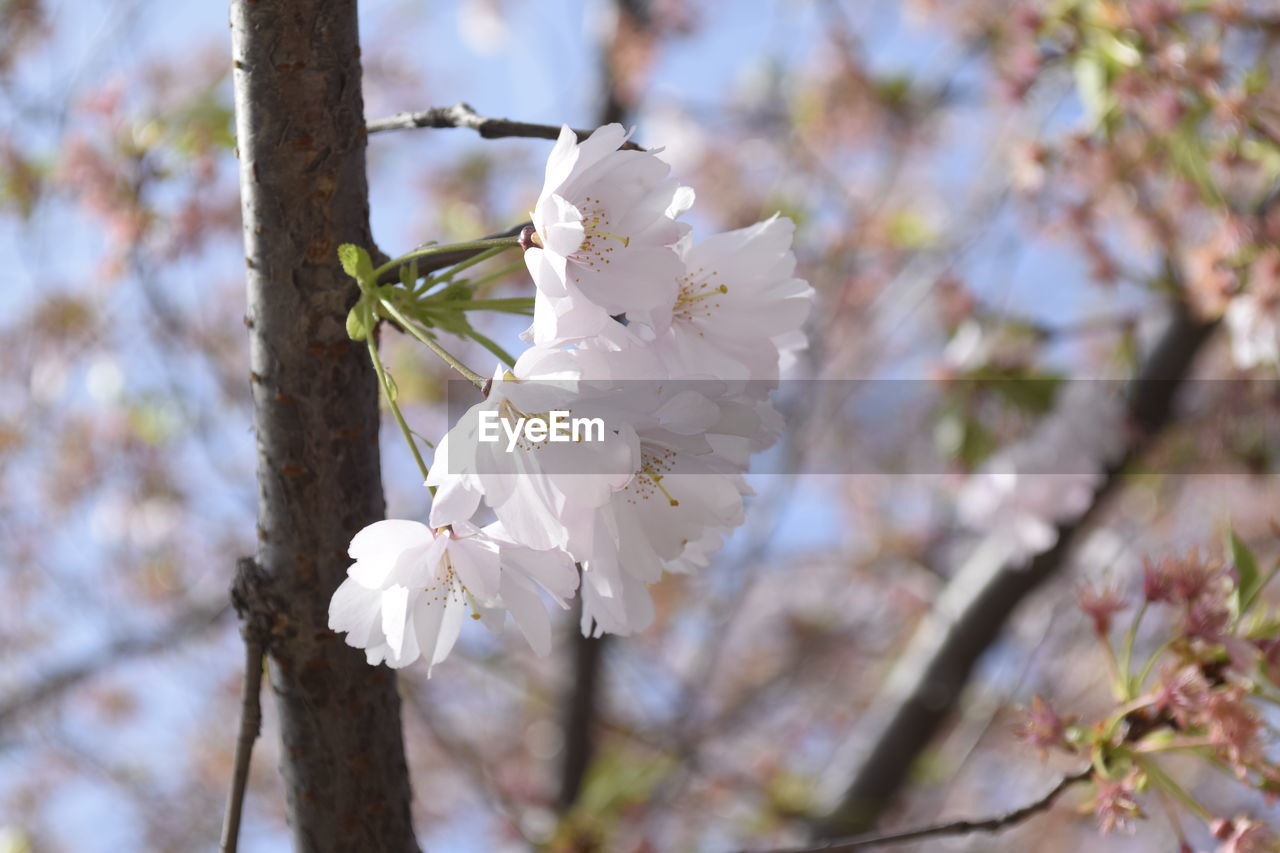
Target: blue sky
{"type": "Point", "coordinates": [545, 71]}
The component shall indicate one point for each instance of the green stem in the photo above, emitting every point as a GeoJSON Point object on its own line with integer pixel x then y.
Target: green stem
{"type": "Point", "coordinates": [1126, 659]}
{"type": "Point", "coordinates": [1113, 667]}
{"type": "Point", "coordinates": [477, 259]}
{"type": "Point", "coordinates": [1150, 664]}
{"type": "Point", "coordinates": [481, 246]}
{"type": "Point", "coordinates": [449, 358]}
{"type": "Point", "coordinates": [492, 347]}
{"type": "Point", "coordinates": [513, 305]}
{"type": "Point", "coordinates": [1190, 743]}
{"type": "Point", "coordinates": [1166, 782]}
{"type": "Point", "coordinates": [478, 285]}
{"type": "Point", "coordinates": [395, 409]}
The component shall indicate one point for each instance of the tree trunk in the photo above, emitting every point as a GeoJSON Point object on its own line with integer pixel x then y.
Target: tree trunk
{"type": "Point", "coordinates": [301, 138]}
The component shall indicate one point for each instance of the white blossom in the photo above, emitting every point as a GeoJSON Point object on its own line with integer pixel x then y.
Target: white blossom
{"type": "Point", "coordinates": [673, 345]}
{"type": "Point", "coordinates": [412, 587]}
{"type": "Point", "coordinates": [605, 222]}
{"type": "Point", "coordinates": [738, 306]}
{"type": "Point", "coordinates": [405, 596]}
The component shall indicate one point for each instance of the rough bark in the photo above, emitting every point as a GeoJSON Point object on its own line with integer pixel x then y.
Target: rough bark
{"type": "Point", "coordinates": [301, 139]}
{"type": "Point", "coordinates": [927, 682]}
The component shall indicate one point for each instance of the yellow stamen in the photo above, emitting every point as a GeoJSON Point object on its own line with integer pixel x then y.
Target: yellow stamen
{"type": "Point", "coordinates": [657, 482]}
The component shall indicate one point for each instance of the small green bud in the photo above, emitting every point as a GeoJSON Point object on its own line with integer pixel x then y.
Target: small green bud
{"type": "Point", "coordinates": [355, 262]}
{"type": "Point", "coordinates": [358, 322]}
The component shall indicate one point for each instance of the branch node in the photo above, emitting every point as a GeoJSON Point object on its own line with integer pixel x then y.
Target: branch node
{"type": "Point", "coordinates": [255, 602]}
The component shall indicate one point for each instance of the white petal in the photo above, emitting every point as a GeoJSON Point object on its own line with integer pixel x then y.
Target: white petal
{"type": "Point", "coordinates": [388, 538]}
{"type": "Point", "coordinates": [475, 559]}
{"type": "Point", "coordinates": [455, 613]}
{"type": "Point", "coordinates": [395, 615]}
{"type": "Point", "coordinates": [530, 616]}
{"type": "Point", "coordinates": [355, 609]}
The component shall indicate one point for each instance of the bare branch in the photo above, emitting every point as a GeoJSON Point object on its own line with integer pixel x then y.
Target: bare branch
{"type": "Point", "coordinates": [955, 827]}
{"type": "Point", "coordinates": [462, 115]}
{"type": "Point", "coordinates": [254, 609]}
{"type": "Point", "coordinates": [928, 680]}
{"type": "Point", "coordinates": [198, 618]}
{"type": "Point", "coordinates": [250, 727]}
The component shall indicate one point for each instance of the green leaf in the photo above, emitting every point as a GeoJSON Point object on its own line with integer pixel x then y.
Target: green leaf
{"type": "Point", "coordinates": [358, 321]}
{"type": "Point", "coordinates": [1250, 581]}
{"type": "Point", "coordinates": [1189, 157]}
{"type": "Point", "coordinates": [454, 291]}
{"type": "Point", "coordinates": [963, 438]}
{"type": "Point", "coordinates": [409, 275]}
{"type": "Point", "coordinates": [1091, 81]}
{"type": "Point", "coordinates": [1030, 392]}
{"type": "Point", "coordinates": [1255, 80]}
{"type": "Point", "coordinates": [1117, 50]}
{"type": "Point", "coordinates": [355, 262]}
{"type": "Point", "coordinates": [893, 90]}
{"type": "Point", "coordinates": [454, 322]}
{"type": "Point", "coordinates": [909, 229]}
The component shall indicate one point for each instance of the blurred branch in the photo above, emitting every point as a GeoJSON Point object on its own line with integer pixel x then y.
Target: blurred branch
{"type": "Point", "coordinates": [925, 685]}
{"type": "Point", "coordinates": [462, 115]}
{"type": "Point", "coordinates": [580, 707]}
{"type": "Point", "coordinates": [955, 827]}
{"type": "Point", "coordinates": [1097, 325]}
{"type": "Point", "coordinates": [198, 618]}
{"type": "Point", "coordinates": [255, 612]}
{"type": "Point", "coordinates": [462, 753]}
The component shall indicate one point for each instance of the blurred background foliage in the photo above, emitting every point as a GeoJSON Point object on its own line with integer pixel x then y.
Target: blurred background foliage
{"type": "Point", "coordinates": [1005, 190]}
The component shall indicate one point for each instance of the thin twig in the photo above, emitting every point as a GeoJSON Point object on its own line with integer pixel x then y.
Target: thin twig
{"type": "Point", "coordinates": [955, 827]}
{"type": "Point", "coordinates": [250, 727]}
{"type": "Point", "coordinates": [254, 603]}
{"type": "Point", "coordinates": [462, 115]}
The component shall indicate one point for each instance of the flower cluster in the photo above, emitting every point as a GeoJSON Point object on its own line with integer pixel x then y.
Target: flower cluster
{"type": "Point", "coordinates": [1204, 692]}
{"type": "Point", "coordinates": [672, 345]}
